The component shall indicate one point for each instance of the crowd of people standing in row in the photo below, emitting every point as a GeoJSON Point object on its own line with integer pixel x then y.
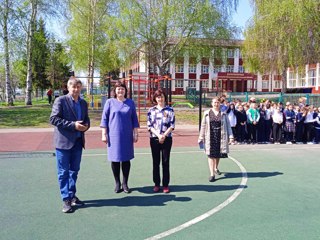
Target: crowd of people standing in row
{"type": "Point", "coordinates": [223, 124]}
{"type": "Point", "coordinates": [119, 125]}
{"type": "Point", "coordinates": [271, 122]}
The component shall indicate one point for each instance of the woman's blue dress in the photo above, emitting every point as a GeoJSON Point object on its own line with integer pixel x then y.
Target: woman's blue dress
{"type": "Point", "coordinates": [120, 118]}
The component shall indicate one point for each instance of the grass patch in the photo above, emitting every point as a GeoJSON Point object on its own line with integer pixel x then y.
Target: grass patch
{"type": "Point", "coordinates": [21, 102]}
{"type": "Point", "coordinates": [187, 117]}
{"type": "Point", "coordinates": [38, 116]}
{"type": "Point", "coordinates": [27, 116]}
{"type": "Point", "coordinates": [183, 116]}
{"type": "Point", "coordinates": [34, 116]}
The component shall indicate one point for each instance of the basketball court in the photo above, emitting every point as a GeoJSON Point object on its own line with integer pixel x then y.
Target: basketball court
{"type": "Point", "coordinates": [264, 192]}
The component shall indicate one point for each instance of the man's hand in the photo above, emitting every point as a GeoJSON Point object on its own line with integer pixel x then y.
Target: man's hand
{"type": "Point", "coordinates": [81, 127]}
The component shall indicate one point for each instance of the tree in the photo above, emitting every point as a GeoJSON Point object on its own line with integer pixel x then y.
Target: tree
{"type": "Point", "coordinates": [27, 12]}
{"type": "Point", "coordinates": [58, 66]}
{"type": "Point", "coordinates": [282, 34]}
{"type": "Point", "coordinates": [40, 58]}
{"type": "Point", "coordinates": [30, 35]}
{"type": "Point", "coordinates": [5, 22]}
{"type": "Point", "coordinates": [89, 44]}
{"type": "Point", "coordinates": [162, 29]}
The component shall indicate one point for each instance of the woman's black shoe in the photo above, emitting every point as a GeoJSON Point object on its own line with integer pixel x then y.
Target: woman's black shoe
{"type": "Point", "coordinates": [212, 179]}
{"type": "Point", "coordinates": [117, 189]}
{"type": "Point", "coordinates": [126, 189]}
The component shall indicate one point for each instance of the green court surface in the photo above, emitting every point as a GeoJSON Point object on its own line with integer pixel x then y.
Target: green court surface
{"type": "Point", "coordinates": [280, 198]}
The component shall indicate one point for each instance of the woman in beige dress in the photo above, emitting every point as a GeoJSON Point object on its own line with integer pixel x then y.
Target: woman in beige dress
{"type": "Point", "coordinates": [215, 133]}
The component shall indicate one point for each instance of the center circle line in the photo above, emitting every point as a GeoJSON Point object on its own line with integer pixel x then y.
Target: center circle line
{"type": "Point", "coordinates": [214, 210]}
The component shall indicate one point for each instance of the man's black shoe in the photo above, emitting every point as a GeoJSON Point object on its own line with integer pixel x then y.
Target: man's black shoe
{"type": "Point", "coordinates": [66, 208]}
{"type": "Point", "coordinates": [76, 202]}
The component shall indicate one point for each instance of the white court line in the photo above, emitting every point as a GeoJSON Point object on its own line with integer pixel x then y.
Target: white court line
{"type": "Point", "coordinates": [142, 153]}
{"type": "Point", "coordinates": [216, 209]}
{"type": "Point", "coordinates": [201, 151]}
{"type": "Point", "coordinates": [212, 211]}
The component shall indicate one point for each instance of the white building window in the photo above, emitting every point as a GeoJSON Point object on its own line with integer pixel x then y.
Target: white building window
{"type": "Point", "coordinates": [229, 68]}
{"type": "Point", "coordinates": [265, 84]}
{"type": "Point", "coordinates": [179, 68]}
{"type": "Point", "coordinates": [230, 53]}
{"type": "Point", "coordinates": [277, 84]}
{"type": "Point", "coordinates": [249, 84]}
{"type": "Point", "coordinates": [192, 68]}
{"type": "Point", "coordinates": [302, 82]}
{"type": "Point", "coordinates": [312, 77]}
{"type": "Point", "coordinates": [204, 68]}
{"type": "Point", "coordinates": [217, 69]}
{"type": "Point", "coordinates": [241, 69]}
{"type": "Point", "coordinates": [205, 83]}
{"type": "Point", "coordinates": [179, 83]}
{"type": "Point", "coordinates": [192, 84]}
{"type": "Point", "coordinates": [292, 81]}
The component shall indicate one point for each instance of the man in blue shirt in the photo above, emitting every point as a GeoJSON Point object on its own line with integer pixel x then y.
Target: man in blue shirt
{"type": "Point", "coordinates": [70, 119]}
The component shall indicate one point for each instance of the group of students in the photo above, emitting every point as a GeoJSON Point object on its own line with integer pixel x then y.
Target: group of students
{"type": "Point", "coordinates": [270, 122]}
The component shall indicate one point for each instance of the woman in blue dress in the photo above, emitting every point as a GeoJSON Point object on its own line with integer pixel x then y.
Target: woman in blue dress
{"type": "Point", "coordinates": [119, 123]}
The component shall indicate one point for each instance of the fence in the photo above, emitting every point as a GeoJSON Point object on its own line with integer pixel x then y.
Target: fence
{"type": "Point", "coordinates": [311, 99]}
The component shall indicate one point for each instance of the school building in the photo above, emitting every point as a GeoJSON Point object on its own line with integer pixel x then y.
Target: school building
{"type": "Point", "coordinates": [217, 76]}
{"type": "Point", "coordinates": [306, 80]}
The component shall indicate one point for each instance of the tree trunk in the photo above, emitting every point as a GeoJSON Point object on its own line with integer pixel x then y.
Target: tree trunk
{"type": "Point", "coordinates": [284, 81]}
{"type": "Point", "coordinates": [9, 99]}
{"type": "Point", "coordinates": [91, 59]}
{"type": "Point", "coordinates": [30, 34]}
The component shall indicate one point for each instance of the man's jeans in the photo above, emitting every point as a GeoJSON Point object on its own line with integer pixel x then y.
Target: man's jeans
{"type": "Point", "coordinates": [68, 166]}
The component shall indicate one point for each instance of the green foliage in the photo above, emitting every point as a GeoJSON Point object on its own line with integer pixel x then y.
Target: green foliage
{"type": "Point", "coordinates": [19, 71]}
{"type": "Point", "coordinates": [58, 66]}
{"type": "Point", "coordinates": [40, 57]}
{"type": "Point", "coordinates": [90, 43]}
{"type": "Point", "coordinates": [162, 29]}
{"type": "Point", "coordinates": [282, 34]}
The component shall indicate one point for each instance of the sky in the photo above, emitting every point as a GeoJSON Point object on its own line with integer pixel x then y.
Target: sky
{"type": "Point", "coordinates": [240, 17]}
{"type": "Point", "coordinates": [243, 14]}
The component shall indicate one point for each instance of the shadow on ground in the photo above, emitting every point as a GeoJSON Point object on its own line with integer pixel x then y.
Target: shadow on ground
{"type": "Point", "coordinates": [250, 175]}
{"type": "Point", "coordinates": [193, 188]}
{"type": "Point", "coordinates": [159, 199]}
{"type": "Point", "coordinates": [140, 201]}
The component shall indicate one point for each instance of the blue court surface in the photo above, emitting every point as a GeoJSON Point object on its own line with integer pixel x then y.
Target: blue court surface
{"type": "Point", "coordinates": [265, 192]}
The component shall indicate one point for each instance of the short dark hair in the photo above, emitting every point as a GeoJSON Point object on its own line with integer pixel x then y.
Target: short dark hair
{"type": "Point", "coordinates": [158, 93]}
{"type": "Point", "coordinates": [73, 81]}
{"type": "Point", "coordinates": [120, 84]}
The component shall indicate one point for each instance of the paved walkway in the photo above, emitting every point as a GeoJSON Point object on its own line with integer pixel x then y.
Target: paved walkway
{"type": "Point", "coordinates": [41, 139]}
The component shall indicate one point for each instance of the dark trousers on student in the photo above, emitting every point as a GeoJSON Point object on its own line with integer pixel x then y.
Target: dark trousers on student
{"type": "Point", "coordinates": [241, 132]}
{"type": "Point", "coordinates": [309, 132]}
{"type": "Point", "coordinates": [277, 132]}
{"type": "Point", "coordinates": [161, 150]}
{"type": "Point", "coordinates": [252, 130]}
